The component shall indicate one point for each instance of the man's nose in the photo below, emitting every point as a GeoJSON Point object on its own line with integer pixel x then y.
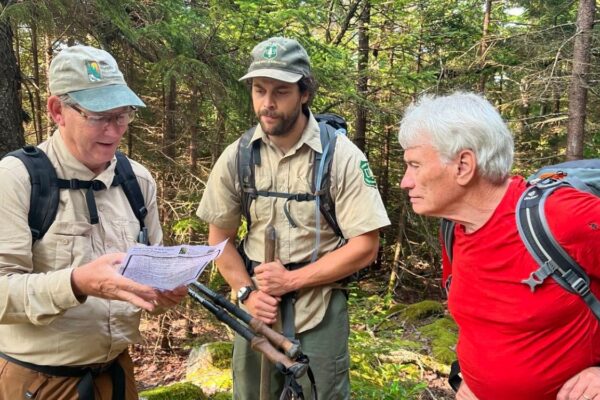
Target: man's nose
{"type": "Point", "coordinates": [407, 182]}
{"type": "Point", "coordinates": [269, 101]}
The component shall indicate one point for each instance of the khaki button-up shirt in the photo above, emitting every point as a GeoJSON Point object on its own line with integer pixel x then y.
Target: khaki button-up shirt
{"type": "Point", "coordinates": [41, 320]}
{"type": "Point", "coordinates": [358, 205]}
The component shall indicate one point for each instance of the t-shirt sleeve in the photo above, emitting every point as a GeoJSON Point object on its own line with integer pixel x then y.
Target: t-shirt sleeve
{"type": "Point", "coordinates": [220, 203]}
{"type": "Point", "coordinates": [358, 205]}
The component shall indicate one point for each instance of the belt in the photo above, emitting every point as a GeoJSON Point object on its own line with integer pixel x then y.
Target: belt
{"type": "Point", "coordinates": [86, 373]}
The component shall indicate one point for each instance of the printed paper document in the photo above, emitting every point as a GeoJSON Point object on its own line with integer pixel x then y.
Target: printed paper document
{"type": "Point", "coordinates": [167, 267]}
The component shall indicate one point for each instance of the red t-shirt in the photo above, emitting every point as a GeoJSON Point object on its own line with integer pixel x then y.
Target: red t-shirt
{"type": "Point", "coordinates": [515, 344]}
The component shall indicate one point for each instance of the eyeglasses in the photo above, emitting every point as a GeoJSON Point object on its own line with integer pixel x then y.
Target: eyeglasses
{"type": "Point", "coordinates": [122, 119]}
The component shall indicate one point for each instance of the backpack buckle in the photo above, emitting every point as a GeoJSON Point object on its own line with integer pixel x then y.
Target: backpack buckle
{"type": "Point", "coordinates": [538, 276]}
{"type": "Point", "coordinates": [580, 286]}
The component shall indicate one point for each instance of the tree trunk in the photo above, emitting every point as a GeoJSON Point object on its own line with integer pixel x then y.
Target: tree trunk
{"type": "Point", "coordinates": [47, 60]}
{"type": "Point", "coordinates": [484, 45]}
{"type": "Point", "coordinates": [363, 77]}
{"type": "Point", "coordinates": [37, 101]}
{"type": "Point", "coordinates": [11, 119]}
{"type": "Point", "coordinates": [579, 79]}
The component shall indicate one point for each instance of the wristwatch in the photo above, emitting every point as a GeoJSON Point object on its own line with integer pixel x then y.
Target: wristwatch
{"type": "Point", "coordinates": [244, 292]}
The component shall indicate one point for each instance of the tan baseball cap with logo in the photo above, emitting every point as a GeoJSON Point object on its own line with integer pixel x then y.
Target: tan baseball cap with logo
{"type": "Point", "coordinates": [91, 77]}
{"type": "Point", "coordinates": [279, 58]}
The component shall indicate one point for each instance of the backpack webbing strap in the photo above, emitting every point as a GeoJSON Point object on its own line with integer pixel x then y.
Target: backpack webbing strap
{"type": "Point", "coordinates": [44, 190]}
{"type": "Point", "coordinates": [91, 186]}
{"type": "Point", "coordinates": [539, 240]}
{"type": "Point", "coordinates": [322, 179]}
{"type": "Point", "coordinates": [247, 158]}
{"type": "Point", "coordinates": [125, 177]}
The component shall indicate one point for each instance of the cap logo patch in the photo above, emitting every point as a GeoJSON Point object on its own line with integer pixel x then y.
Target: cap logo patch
{"type": "Point", "coordinates": [368, 176]}
{"type": "Point", "coordinates": [270, 51]}
{"type": "Point", "coordinates": [93, 71]}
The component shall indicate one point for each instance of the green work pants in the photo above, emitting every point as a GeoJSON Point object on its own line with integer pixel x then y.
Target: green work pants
{"type": "Point", "coordinates": [326, 346]}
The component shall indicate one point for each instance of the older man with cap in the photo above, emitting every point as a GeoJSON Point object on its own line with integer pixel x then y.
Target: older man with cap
{"type": "Point", "coordinates": [66, 315]}
{"type": "Point", "coordinates": [287, 138]}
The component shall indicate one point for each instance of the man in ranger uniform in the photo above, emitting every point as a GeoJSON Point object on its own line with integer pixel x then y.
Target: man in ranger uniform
{"type": "Point", "coordinates": [287, 138]}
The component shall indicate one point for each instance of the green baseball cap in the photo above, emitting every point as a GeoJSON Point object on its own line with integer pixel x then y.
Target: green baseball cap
{"type": "Point", "coordinates": [91, 77]}
{"type": "Point", "coordinates": [279, 58]}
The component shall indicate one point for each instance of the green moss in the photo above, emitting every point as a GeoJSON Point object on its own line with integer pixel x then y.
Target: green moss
{"type": "Point", "coordinates": [221, 354]}
{"type": "Point", "coordinates": [178, 391]}
{"type": "Point", "coordinates": [422, 310]}
{"type": "Point", "coordinates": [222, 396]}
{"type": "Point", "coordinates": [408, 344]}
{"type": "Point", "coordinates": [443, 335]}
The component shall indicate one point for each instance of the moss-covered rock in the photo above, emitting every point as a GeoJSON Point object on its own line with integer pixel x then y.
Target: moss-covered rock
{"type": "Point", "coordinates": [422, 310]}
{"type": "Point", "coordinates": [443, 334]}
{"type": "Point", "coordinates": [177, 391]}
{"type": "Point", "coordinates": [216, 354]}
{"type": "Point", "coordinates": [208, 367]}
{"type": "Point", "coordinates": [222, 396]}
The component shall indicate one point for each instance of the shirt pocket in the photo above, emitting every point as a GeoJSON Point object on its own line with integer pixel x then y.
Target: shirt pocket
{"type": "Point", "coordinates": [125, 234]}
{"type": "Point", "coordinates": [66, 244]}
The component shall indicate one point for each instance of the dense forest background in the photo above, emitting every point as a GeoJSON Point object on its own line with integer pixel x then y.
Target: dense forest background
{"type": "Point", "coordinates": [536, 60]}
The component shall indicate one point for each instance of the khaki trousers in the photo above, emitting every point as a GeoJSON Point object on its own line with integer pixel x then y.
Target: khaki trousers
{"type": "Point", "coordinates": [326, 346]}
{"type": "Point", "coordinates": [17, 382]}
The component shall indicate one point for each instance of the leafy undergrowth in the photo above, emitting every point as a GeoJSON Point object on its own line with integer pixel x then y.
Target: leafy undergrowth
{"type": "Point", "coordinates": [390, 354]}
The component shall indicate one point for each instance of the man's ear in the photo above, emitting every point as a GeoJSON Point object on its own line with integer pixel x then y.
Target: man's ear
{"type": "Point", "coordinates": [55, 109]}
{"type": "Point", "coordinates": [467, 166]}
{"type": "Point", "coordinates": [304, 96]}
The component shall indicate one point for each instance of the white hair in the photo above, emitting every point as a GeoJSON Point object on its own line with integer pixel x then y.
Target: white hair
{"type": "Point", "coordinates": [457, 122]}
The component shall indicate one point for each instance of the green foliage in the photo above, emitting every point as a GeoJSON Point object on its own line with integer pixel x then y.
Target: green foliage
{"type": "Point", "coordinates": [178, 391]}
{"type": "Point", "coordinates": [422, 310]}
{"type": "Point", "coordinates": [443, 335]}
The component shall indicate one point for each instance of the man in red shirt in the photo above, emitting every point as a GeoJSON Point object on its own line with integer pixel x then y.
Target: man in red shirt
{"type": "Point", "coordinates": [513, 343]}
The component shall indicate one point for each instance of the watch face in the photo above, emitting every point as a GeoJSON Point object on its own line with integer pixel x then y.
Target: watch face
{"type": "Point", "coordinates": [243, 293]}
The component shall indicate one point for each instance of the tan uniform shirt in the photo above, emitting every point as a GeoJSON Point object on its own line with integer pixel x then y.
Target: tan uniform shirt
{"type": "Point", "coordinates": [358, 205]}
{"type": "Point", "coordinates": [41, 321]}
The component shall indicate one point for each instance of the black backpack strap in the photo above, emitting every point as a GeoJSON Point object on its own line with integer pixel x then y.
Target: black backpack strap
{"type": "Point", "coordinates": [248, 155]}
{"type": "Point", "coordinates": [539, 240]}
{"type": "Point", "coordinates": [125, 177]}
{"type": "Point", "coordinates": [447, 232]}
{"type": "Point", "coordinates": [44, 189]}
{"type": "Point", "coordinates": [322, 176]}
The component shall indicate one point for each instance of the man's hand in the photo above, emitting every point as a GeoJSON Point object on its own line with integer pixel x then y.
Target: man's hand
{"type": "Point", "coordinates": [100, 278]}
{"type": "Point", "coordinates": [464, 393]}
{"type": "Point", "coordinates": [272, 278]}
{"type": "Point", "coordinates": [170, 298]}
{"type": "Point", "coordinates": [585, 386]}
{"type": "Point", "coordinates": [262, 306]}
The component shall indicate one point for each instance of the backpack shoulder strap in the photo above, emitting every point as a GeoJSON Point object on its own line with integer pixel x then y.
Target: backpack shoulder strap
{"type": "Point", "coordinates": [125, 177]}
{"type": "Point", "coordinates": [44, 189]}
{"type": "Point", "coordinates": [321, 184]}
{"type": "Point", "coordinates": [447, 232]}
{"type": "Point", "coordinates": [248, 155]}
{"type": "Point", "coordinates": [540, 242]}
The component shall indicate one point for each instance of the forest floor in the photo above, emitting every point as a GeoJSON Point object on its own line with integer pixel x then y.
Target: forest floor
{"type": "Point", "coordinates": [156, 366]}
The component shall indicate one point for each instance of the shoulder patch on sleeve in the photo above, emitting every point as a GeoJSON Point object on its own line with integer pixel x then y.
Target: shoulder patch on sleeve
{"type": "Point", "coordinates": [368, 176]}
